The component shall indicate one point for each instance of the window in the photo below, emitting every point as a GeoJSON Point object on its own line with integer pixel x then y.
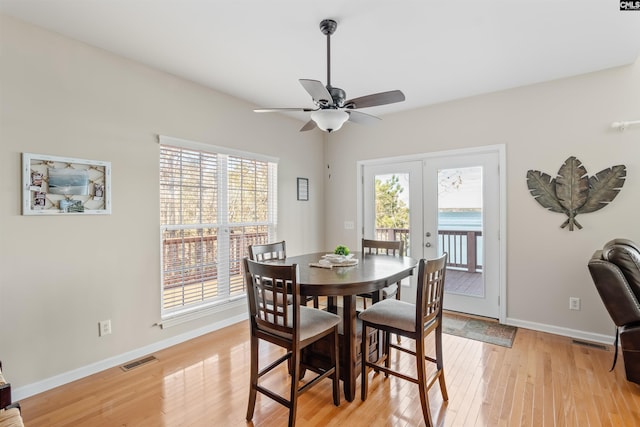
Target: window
{"type": "Point", "coordinates": [214, 202]}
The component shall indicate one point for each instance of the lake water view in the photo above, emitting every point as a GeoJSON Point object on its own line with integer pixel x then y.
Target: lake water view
{"type": "Point", "coordinates": [459, 220]}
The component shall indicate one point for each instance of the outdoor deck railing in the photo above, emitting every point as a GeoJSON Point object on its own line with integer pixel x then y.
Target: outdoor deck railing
{"type": "Point", "coordinates": [461, 245]}
{"type": "Point", "coordinates": [193, 250]}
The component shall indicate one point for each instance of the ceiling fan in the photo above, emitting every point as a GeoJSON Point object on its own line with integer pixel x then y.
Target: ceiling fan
{"type": "Point", "coordinates": [332, 108]}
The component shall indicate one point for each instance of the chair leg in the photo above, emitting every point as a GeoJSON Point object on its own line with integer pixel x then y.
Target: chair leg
{"type": "Point", "coordinates": [335, 361]}
{"type": "Point", "coordinates": [439, 362]}
{"type": "Point", "coordinates": [422, 382]}
{"type": "Point", "coordinates": [254, 378]}
{"type": "Point", "coordinates": [332, 304]}
{"type": "Point", "coordinates": [387, 351]}
{"type": "Point", "coordinates": [295, 379]}
{"type": "Point", "coordinates": [364, 375]}
{"type": "Point", "coordinates": [398, 298]}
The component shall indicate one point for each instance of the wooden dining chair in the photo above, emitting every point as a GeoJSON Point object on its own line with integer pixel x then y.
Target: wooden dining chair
{"type": "Point", "coordinates": [268, 251]}
{"type": "Point", "coordinates": [383, 247]}
{"type": "Point", "coordinates": [275, 251]}
{"type": "Point", "coordinates": [291, 326]}
{"type": "Point", "coordinates": [414, 321]}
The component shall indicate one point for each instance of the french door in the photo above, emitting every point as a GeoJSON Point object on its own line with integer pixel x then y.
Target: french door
{"type": "Point", "coordinates": [448, 203]}
{"type": "Point", "coordinates": [392, 209]}
{"type": "Point", "coordinates": [462, 218]}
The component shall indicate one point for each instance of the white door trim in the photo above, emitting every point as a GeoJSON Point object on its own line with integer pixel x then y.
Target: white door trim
{"type": "Point", "coordinates": [502, 162]}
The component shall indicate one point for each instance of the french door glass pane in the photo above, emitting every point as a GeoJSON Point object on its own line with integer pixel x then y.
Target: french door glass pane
{"type": "Point", "coordinates": [460, 229]}
{"type": "Point", "coordinates": [393, 208]}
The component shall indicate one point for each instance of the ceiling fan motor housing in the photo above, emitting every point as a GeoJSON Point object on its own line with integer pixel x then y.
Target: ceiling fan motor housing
{"type": "Point", "coordinates": [338, 95]}
{"type": "Point", "coordinates": [328, 26]}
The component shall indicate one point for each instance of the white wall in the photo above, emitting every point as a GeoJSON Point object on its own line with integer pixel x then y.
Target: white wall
{"type": "Point", "coordinates": [60, 275]}
{"type": "Point", "coordinates": [541, 125]}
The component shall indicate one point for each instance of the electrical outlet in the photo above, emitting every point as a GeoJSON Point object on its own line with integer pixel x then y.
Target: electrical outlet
{"type": "Point", "coordinates": [574, 303]}
{"type": "Point", "coordinates": [104, 328]}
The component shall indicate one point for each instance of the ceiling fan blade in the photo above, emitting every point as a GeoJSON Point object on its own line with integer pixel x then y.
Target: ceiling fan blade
{"type": "Point", "coordinates": [310, 125]}
{"type": "Point", "coordinates": [318, 92]}
{"type": "Point", "coordinates": [362, 118]}
{"type": "Point", "coordinates": [375, 99]}
{"type": "Point", "coordinates": [275, 110]}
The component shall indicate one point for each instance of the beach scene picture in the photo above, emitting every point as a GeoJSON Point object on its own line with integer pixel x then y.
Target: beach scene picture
{"type": "Point", "coordinates": [69, 182]}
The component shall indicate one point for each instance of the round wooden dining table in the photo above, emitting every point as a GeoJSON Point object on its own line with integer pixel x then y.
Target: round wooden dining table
{"type": "Point", "coordinates": [370, 275]}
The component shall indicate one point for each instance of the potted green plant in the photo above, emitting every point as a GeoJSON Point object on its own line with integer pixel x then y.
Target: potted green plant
{"type": "Point", "coordinates": [341, 250]}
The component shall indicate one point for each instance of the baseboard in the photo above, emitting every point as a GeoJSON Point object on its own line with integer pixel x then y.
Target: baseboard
{"type": "Point", "coordinates": [567, 332]}
{"type": "Point", "coordinates": [76, 374]}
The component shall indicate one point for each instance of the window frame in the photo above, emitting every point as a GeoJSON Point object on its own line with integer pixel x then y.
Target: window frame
{"type": "Point", "coordinates": [223, 226]}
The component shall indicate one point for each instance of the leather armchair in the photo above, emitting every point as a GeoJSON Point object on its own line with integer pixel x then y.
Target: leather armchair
{"type": "Point", "coordinates": [616, 273]}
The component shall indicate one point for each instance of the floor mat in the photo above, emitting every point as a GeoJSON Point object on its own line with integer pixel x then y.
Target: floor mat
{"type": "Point", "coordinates": [488, 331]}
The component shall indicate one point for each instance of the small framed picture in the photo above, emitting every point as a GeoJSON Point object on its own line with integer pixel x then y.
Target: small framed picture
{"type": "Point", "coordinates": [39, 200]}
{"type": "Point", "coordinates": [98, 191]}
{"type": "Point", "coordinates": [303, 189]}
{"type": "Point", "coordinates": [36, 181]}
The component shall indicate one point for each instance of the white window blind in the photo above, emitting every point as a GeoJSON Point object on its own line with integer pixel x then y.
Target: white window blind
{"type": "Point", "coordinates": [214, 203]}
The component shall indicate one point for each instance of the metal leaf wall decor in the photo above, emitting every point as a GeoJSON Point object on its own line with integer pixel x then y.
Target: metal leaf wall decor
{"type": "Point", "coordinates": [573, 192]}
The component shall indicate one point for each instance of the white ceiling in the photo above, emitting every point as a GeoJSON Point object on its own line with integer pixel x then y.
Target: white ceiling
{"type": "Point", "coordinates": [434, 51]}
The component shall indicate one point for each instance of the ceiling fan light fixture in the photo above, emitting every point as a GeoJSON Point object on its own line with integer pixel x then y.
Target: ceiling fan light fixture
{"type": "Point", "coordinates": [332, 108]}
{"type": "Point", "coordinates": [329, 120]}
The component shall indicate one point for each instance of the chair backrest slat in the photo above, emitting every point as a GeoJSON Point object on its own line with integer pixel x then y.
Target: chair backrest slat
{"type": "Point", "coordinates": [383, 247]}
{"type": "Point", "coordinates": [268, 251]}
{"type": "Point", "coordinates": [269, 287]}
{"type": "Point", "coordinates": [431, 276]}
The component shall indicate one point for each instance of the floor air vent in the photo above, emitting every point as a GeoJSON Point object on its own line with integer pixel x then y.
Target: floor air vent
{"type": "Point", "coordinates": [136, 363]}
{"type": "Point", "coordinates": [591, 344]}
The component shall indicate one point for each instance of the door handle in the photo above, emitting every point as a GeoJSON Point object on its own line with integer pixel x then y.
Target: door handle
{"type": "Point", "coordinates": [428, 245]}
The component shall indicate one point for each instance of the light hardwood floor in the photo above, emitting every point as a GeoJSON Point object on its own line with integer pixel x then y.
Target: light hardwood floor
{"type": "Point", "coordinates": [544, 380]}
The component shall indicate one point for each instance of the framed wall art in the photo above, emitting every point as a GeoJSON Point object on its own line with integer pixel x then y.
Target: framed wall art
{"type": "Point", "coordinates": [65, 186]}
{"type": "Point", "coordinates": [303, 189]}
